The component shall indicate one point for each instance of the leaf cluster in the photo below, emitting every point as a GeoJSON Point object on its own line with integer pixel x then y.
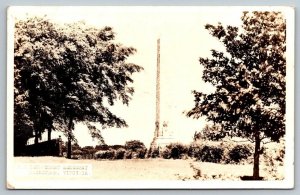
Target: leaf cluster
{"type": "Point", "coordinates": [249, 77]}
{"type": "Point", "coordinates": [69, 72]}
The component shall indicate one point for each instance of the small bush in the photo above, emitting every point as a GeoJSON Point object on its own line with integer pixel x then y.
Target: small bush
{"type": "Point", "coordinates": [226, 145]}
{"type": "Point", "coordinates": [276, 151]}
{"type": "Point", "coordinates": [153, 153]}
{"type": "Point", "coordinates": [166, 154]}
{"type": "Point", "coordinates": [194, 151]}
{"type": "Point", "coordinates": [128, 154]}
{"type": "Point", "coordinates": [120, 153]}
{"type": "Point", "coordinates": [110, 154]}
{"type": "Point", "coordinates": [135, 149]}
{"type": "Point", "coordinates": [280, 155]}
{"type": "Point", "coordinates": [102, 147]}
{"type": "Point", "coordinates": [116, 147]}
{"type": "Point", "coordinates": [239, 153]}
{"type": "Point", "coordinates": [273, 157]}
{"type": "Point", "coordinates": [211, 154]}
{"type": "Point", "coordinates": [134, 155]}
{"type": "Point", "coordinates": [175, 151]}
{"type": "Point", "coordinates": [105, 154]}
{"type": "Point", "coordinates": [132, 149]}
{"type": "Point", "coordinates": [134, 145]}
{"type": "Point", "coordinates": [141, 153]}
{"type": "Point", "coordinates": [88, 152]}
{"type": "Point", "coordinates": [88, 149]}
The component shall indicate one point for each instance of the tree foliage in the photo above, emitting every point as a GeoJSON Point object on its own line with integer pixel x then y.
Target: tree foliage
{"type": "Point", "coordinates": [69, 73]}
{"type": "Point", "coordinates": [210, 132]}
{"type": "Point", "coordinates": [249, 100]}
{"type": "Point", "coordinates": [134, 145]}
{"type": "Point", "coordinates": [32, 43]}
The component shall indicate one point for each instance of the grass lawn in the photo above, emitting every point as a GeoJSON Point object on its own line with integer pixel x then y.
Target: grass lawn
{"type": "Point", "coordinates": [148, 169]}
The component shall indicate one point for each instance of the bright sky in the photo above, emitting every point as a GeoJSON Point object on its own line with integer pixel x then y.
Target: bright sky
{"type": "Point", "coordinates": [183, 41]}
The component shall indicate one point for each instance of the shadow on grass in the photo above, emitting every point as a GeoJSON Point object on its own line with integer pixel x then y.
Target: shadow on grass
{"type": "Point", "coordinates": [250, 178]}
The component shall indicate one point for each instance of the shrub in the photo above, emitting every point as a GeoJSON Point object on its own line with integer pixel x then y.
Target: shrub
{"type": "Point", "coordinates": [275, 151]}
{"type": "Point", "coordinates": [88, 148]}
{"type": "Point", "coordinates": [141, 152]}
{"type": "Point", "coordinates": [280, 154]}
{"type": "Point", "coordinates": [273, 158]}
{"type": "Point", "coordinates": [135, 149]}
{"type": "Point", "coordinates": [239, 153]}
{"type": "Point", "coordinates": [226, 145]}
{"type": "Point", "coordinates": [153, 153]}
{"type": "Point", "coordinates": [175, 151]}
{"type": "Point", "coordinates": [105, 154]}
{"type": "Point", "coordinates": [194, 150]}
{"type": "Point", "coordinates": [120, 153]}
{"type": "Point", "coordinates": [128, 154]}
{"type": "Point", "coordinates": [211, 154]}
{"type": "Point", "coordinates": [134, 145]}
{"type": "Point", "coordinates": [166, 153]}
{"type": "Point", "coordinates": [88, 151]}
{"type": "Point", "coordinates": [102, 147]}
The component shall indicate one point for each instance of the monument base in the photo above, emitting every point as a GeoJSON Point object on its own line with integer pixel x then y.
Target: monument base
{"type": "Point", "coordinates": [158, 144]}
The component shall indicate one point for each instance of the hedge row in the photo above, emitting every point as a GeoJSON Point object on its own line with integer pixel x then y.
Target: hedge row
{"type": "Point", "coordinates": [205, 152]}
{"type": "Point", "coordinates": [132, 150]}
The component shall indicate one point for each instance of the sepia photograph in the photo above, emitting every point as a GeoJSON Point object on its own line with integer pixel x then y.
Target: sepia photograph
{"type": "Point", "coordinates": [150, 97]}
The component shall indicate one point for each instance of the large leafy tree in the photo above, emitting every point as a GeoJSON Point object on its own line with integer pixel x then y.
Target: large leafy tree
{"type": "Point", "coordinates": [34, 41]}
{"type": "Point", "coordinates": [74, 74]}
{"type": "Point", "coordinates": [95, 75]}
{"type": "Point", "coordinates": [249, 80]}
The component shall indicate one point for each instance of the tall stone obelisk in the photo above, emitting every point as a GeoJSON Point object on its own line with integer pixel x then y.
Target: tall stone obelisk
{"type": "Point", "coordinates": [157, 118]}
{"type": "Point", "coordinates": [154, 144]}
{"type": "Point", "coordinates": [160, 140]}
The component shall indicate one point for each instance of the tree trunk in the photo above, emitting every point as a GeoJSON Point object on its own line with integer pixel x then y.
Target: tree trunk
{"type": "Point", "coordinates": [36, 137]}
{"type": "Point", "coordinates": [49, 134]}
{"type": "Point", "coordinates": [69, 153]}
{"type": "Point", "coordinates": [69, 147]}
{"type": "Point", "coordinates": [256, 157]}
